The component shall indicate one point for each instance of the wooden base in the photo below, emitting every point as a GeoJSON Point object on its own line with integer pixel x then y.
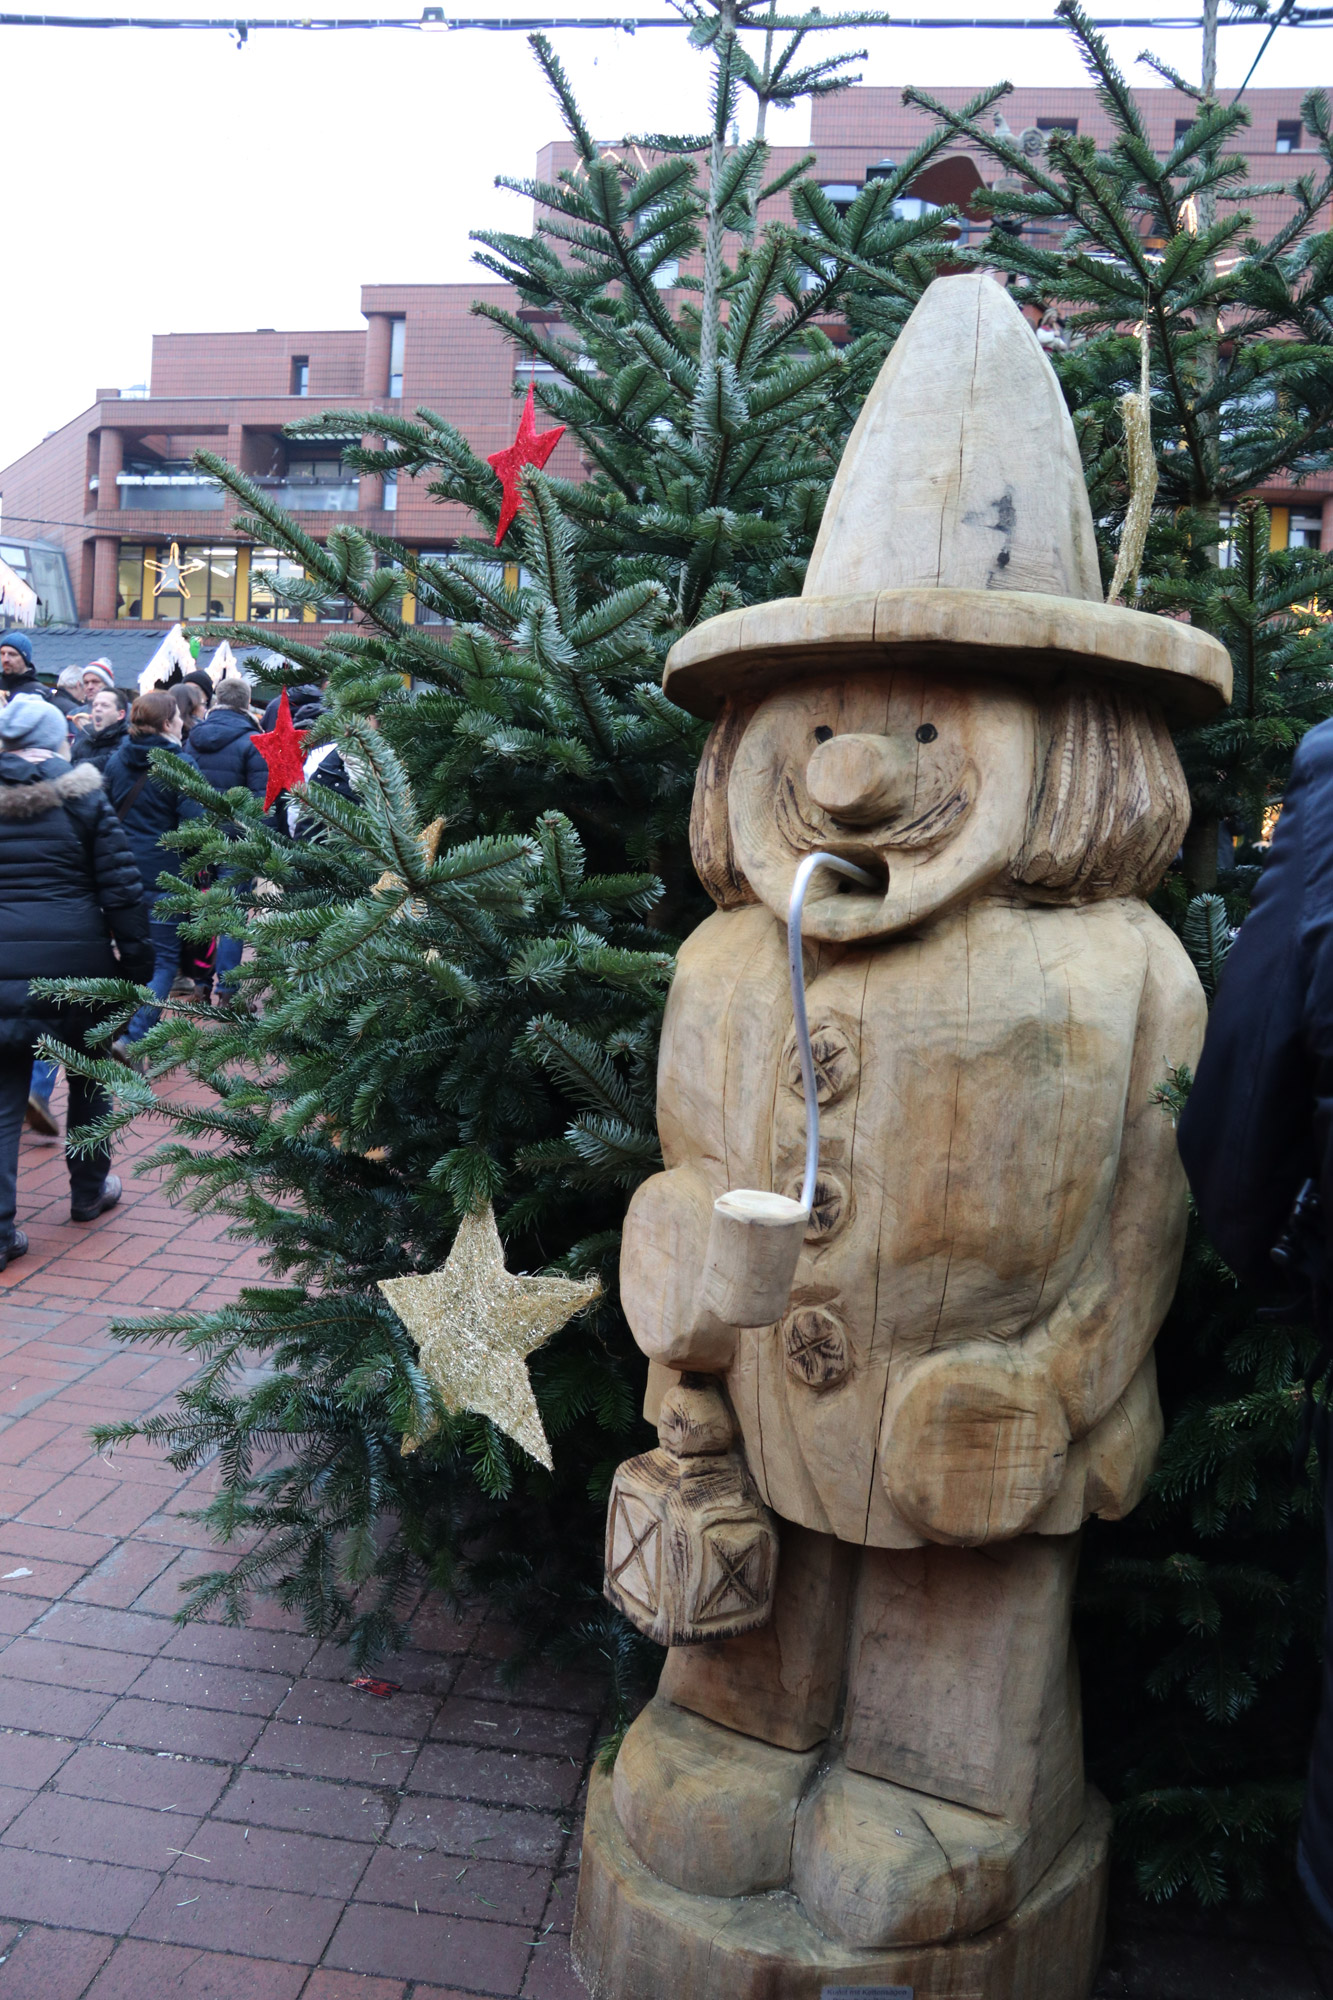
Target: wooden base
{"type": "Point", "coordinates": [636, 1938]}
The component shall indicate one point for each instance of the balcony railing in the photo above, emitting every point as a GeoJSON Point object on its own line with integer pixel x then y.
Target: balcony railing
{"type": "Point", "coordinates": [314, 496]}
{"type": "Point", "coordinates": [167, 492]}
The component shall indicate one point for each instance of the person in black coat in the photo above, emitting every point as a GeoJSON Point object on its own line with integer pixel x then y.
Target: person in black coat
{"type": "Point", "coordinates": [69, 890]}
{"type": "Point", "coordinates": [222, 749]}
{"type": "Point", "coordinates": [1259, 1123]}
{"type": "Point", "coordinates": [148, 809]}
{"type": "Point", "coordinates": [108, 716]}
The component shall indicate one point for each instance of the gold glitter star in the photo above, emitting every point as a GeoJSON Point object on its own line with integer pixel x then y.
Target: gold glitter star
{"type": "Point", "coordinates": [475, 1324]}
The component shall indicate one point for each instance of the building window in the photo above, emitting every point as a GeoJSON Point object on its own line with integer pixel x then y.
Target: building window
{"type": "Point", "coordinates": [397, 344]}
{"type": "Point", "coordinates": [129, 581]}
{"type": "Point", "coordinates": [1069, 125]}
{"type": "Point", "coordinates": [425, 615]}
{"type": "Point", "coordinates": [267, 569]}
{"type": "Point", "coordinates": [1303, 530]}
{"type": "Point", "coordinates": [300, 375]}
{"type": "Point", "coordinates": [841, 193]}
{"type": "Point", "coordinates": [1183, 125]}
{"type": "Point", "coordinates": [667, 274]}
{"type": "Point", "coordinates": [212, 586]}
{"type": "Point", "coordinates": [1289, 134]}
{"type": "Point", "coordinates": [390, 501]}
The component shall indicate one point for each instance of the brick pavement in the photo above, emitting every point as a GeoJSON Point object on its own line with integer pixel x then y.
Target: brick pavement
{"type": "Point", "coordinates": [203, 1812]}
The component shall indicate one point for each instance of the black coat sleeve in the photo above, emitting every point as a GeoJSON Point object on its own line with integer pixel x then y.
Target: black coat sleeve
{"type": "Point", "coordinates": [119, 889]}
{"type": "Point", "coordinates": [1248, 1134]}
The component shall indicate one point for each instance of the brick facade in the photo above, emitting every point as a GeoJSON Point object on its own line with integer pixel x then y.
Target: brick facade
{"type": "Point", "coordinates": [114, 485]}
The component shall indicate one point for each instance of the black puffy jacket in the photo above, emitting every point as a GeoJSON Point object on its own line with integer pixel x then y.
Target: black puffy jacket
{"type": "Point", "coordinates": [221, 751]}
{"type": "Point", "coordinates": [1259, 1121]}
{"type": "Point", "coordinates": [99, 746]}
{"type": "Point", "coordinates": [68, 887]}
{"type": "Point", "coordinates": [155, 810]}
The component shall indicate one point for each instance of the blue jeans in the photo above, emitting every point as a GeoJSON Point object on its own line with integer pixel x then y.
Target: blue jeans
{"type": "Point", "coordinates": [226, 958]}
{"type": "Point", "coordinates": [44, 1076]}
{"type": "Point", "coordinates": [227, 951]}
{"type": "Point", "coordinates": [166, 964]}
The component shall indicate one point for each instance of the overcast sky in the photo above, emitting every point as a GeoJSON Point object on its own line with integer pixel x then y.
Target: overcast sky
{"type": "Point", "coordinates": [160, 182]}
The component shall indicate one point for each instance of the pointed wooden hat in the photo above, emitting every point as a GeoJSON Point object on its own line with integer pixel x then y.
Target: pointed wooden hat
{"type": "Point", "coordinates": [958, 533]}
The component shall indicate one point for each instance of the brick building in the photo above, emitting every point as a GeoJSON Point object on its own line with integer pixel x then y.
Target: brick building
{"type": "Point", "coordinates": [116, 488]}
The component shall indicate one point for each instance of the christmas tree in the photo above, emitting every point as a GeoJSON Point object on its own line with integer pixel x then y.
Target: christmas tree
{"type": "Point", "coordinates": [462, 969]}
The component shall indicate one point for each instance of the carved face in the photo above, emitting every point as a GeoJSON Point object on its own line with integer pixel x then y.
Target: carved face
{"type": "Point", "coordinates": [923, 779]}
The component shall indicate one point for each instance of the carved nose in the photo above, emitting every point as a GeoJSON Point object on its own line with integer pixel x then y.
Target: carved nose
{"type": "Point", "coordinates": [860, 779]}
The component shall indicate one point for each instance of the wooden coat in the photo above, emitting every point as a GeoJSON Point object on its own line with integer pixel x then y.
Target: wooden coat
{"type": "Point", "coordinates": [998, 1228]}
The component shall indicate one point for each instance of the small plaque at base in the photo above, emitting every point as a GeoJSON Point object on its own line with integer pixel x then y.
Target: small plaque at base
{"type": "Point", "coordinates": [866, 1993]}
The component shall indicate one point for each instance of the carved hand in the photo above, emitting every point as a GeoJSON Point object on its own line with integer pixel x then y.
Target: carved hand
{"type": "Point", "coordinates": [973, 1443]}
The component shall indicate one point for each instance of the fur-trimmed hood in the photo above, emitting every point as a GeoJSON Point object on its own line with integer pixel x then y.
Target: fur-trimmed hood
{"type": "Point", "coordinates": [24, 797]}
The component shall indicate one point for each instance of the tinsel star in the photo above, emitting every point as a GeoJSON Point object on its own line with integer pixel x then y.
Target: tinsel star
{"type": "Point", "coordinates": [475, 1324]}
{"type": "Point", "coordinates": [527, 449]}
{"type": "Point", "coordinates": [280, 748]}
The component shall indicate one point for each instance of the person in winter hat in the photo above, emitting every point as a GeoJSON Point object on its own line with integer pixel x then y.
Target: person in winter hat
{"type": "Point", "coordinates": [222, 749]}
{"type": "Point", "coordinates": [18, 675]}
{"type": "Point", "coordinates": [97, 674]}
{"type": "Point", "coordinates": [71, 904]}
{"type": "Point", "coordinates": [148, 809]}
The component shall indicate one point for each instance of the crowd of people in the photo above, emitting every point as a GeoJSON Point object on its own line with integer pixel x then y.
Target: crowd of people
{"type": "Point", "coordinates": [83, 816]}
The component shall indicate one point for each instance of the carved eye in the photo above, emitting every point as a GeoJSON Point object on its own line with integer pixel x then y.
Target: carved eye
{"type": "Point", "coordinates": [927, 733]}
{"type": "Point", "coordinates": [823, 733]}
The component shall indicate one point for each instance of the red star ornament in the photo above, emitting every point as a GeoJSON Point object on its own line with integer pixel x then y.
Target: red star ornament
{"type": "Point", "coordinates": [527, 449]}
{"type": "Point", "coordinates": [280, 748]}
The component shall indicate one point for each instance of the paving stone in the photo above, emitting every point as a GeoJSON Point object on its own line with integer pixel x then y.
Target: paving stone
{"type": "Point", "coordinates": [226, 1851]}
{"type": "Point", "coordinates": [306, 1805]}
{"type": "Point", "coordinates": [55, 1711]}
{"type": "Point", "coordinates": [269, 1652]}
{"type": "Point", "coordinates": [453, 1886]}
{"type": "Point", "coordinates": [101, 1830]}
{"type": "Point", "coordinates": [51, 1663]}
{"type": "Point", "coordinates": [141, 1971]}
{"type": "Point", "coordinates": [499, 1777]}
{"type": "Point", "coordinates": [29, 1761]}
{"type": "Point", "coordinates": [98, 1626]}
{"type": "Point", "coordinates": [461, 1827]}
{"type": "Point", "coordinates": [551, 1975]}
{"type": "Point", "coordinates": [326, 1985]}
{"type": "Point", "coordinates": [50, 1888]}
{"type": "Point", "coordinates": [334, 1753]}
{"type": "Point", "coordinates": [52, 1964]}
{"type": "Point", "coordinates": [217, 1916]}
{"type": "Point", "coordinates": [491, 1724]}
{"type": "Point", "coordinates": [164, 1784]}
{"type": "Point", "coordinates": [203, 1684]}
{"type": "Point", "coordinates": [339, 1707]}
{"type": "Point", "coordinates": [165, 1725]}
{"type": "Point", "coordinates": [403, 1944]}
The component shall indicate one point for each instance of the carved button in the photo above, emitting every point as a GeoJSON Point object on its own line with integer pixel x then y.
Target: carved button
{"type": "Point", "coordinates": [832, 1206]}
{"type": "Point", "coordinates": [836, 1064]}
{"type": "Point", "coordinates": [815, 1344]}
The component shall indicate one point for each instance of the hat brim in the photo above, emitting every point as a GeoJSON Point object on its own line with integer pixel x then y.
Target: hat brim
{"type": "Point", "coordinates": [747, 653]}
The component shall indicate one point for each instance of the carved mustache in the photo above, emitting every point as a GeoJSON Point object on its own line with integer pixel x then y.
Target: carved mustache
{"type": "Point", "coordinates": [804, 825]}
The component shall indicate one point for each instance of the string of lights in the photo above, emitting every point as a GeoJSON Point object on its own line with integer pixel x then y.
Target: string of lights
{"type": "Point", "coordinates": [434, 18]}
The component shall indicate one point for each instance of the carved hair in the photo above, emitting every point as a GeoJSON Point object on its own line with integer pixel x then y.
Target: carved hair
{"type": "Point", "coordinates": [1109, 806]}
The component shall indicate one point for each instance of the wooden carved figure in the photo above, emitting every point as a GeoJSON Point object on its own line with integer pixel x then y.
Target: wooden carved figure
{"type": "Point", "coordinates": [891, 1393]}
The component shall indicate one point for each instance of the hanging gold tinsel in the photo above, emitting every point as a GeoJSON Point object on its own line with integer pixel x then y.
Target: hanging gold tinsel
{"type": "Point", "coordinates": [1141, 465]}
{"type": "Point", "coordinates": [475, 1324]}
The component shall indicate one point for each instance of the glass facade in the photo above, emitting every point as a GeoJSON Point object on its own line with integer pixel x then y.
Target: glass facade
{"type": "Point", "coordinates": [268, 567]}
